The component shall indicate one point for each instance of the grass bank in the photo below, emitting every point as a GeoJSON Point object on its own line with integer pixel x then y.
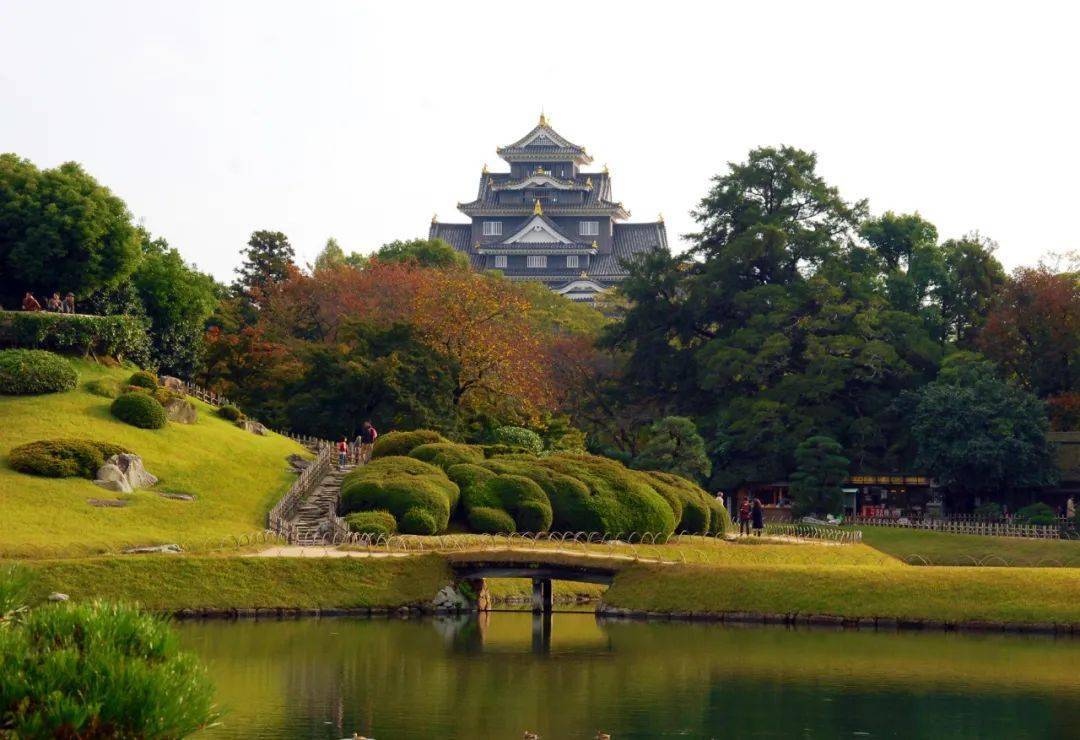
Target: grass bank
{"type": "Point", "coordinates": [921, 547]}
{"type": "Point", "coordinates": [998, 595]}
{"type": "Point", "coordinates": [171, 583]}
{"type": "Point", "coordinates": [235, 476]}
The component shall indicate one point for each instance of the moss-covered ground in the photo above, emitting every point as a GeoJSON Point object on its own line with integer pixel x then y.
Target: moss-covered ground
{"type": "Point", "coordinates": [920, 547]}
{"type": "Point", "coordinates": [171, 582]}
{"type": "Point", "coordinates": [235, 476]}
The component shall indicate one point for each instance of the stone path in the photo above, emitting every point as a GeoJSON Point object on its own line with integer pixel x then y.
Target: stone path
{"type": "Point", "coordinates": [312, 518]}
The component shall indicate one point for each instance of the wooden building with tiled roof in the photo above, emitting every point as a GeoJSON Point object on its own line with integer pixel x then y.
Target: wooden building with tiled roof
{"type": "Point", "coordinates": [549, 220]}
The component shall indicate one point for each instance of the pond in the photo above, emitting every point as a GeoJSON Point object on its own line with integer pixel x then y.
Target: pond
{"type": "Point", "coordinates": [503, 673]}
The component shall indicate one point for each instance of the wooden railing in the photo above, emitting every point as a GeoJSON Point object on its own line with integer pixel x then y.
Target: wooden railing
{"type": "Point", "coordinates": [206, 396]}
{"type": "Point", "coordinates": [972, 526]}
{"type": "Point", "coordinates": [278, 519]}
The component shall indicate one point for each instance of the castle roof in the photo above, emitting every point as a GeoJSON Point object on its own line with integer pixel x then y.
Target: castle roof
{"type": "Point", "coordinates": [597, 198]}
{"type": "Point", "coordinates": [543, 143]}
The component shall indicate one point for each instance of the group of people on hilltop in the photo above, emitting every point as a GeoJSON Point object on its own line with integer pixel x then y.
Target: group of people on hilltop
{"type": "Point", "coordinates": [54, 303]}
{"type": "Point", "coordinates": [359, 450]}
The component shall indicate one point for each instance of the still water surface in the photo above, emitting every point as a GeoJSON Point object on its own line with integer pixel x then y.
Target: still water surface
{"type": "Point", "coordinates": [503, 674]}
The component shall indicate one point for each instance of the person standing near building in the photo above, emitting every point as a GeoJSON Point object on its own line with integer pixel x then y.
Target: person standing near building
{"type": "Point", "coordinates": [757, 513]}
{"type": "Point", "coordinates": [744, 516]}
{"type": "Point", "coordinates": [366, 438]}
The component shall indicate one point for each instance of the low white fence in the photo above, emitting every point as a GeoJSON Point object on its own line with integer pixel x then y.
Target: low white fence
{"type": "Point", "coordinates": [973, 526]}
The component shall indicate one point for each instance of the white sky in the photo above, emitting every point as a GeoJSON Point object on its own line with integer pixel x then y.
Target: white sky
{"type": "Point", "coordinates": [359, 120]}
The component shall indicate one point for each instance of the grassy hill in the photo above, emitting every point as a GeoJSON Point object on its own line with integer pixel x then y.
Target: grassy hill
{"type": "Point", "coordinates": [235, 476]}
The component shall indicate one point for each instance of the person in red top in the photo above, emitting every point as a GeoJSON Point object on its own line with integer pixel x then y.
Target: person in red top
{"type": "Point", "coordinates": [342, 451]}
{"type": "Point", "coordinates": [29, 303]}
{"type": "Point", "coordinates": [744, 516]}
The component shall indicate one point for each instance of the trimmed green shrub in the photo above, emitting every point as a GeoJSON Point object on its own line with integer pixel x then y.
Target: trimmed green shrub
{"type": "Point", "coordinates": [402, 443]}
{"type": "Point", "coordinates": [230, 413]}
{"type": "Point", "coordinates": [115, 336]}
{"type": "Point", "coordinates": [719, 520]}
{"type": "Point", "coordinates": [689, 502]}
{"type": "Point", "coordinates": [1037, 513]}
{"type": "Point", "coordinates": [139, 409]}
{"type": "Point", "coordinates": [62, 458]}
{"type": "Point", "coordinates": [490, 521]}
{"type": "Point", "coordinates": [144, 379]}
{"type": "Point", "coordinates": [519, 438]}
{"type": "Point", "coordinates": [493, 450]}
{"type": "Point", "coordinates": [399, 485]}
{"type": "Point", "coordinates": [372, 522]}
{"type": "Point", "coordinates": [99, 670]}
{"type": "Point", "coordinates": [32, 371]}
{"type": "Point", "coordinates": [470, 479]}
{"type": "Point", "coordinates": [163, 395]}
{"type": "Point", "coordinates": [524, 499]}
{"type": "Point", "coordinates": [104, 387]}
{"type": "Point", "coordinates": [419, 521]}
{"type": "Point", "coordinates": [446, 454]}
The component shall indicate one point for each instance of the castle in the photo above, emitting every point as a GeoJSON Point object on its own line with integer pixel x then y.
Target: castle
{"type": "Point", "coordinates": [548, 220]}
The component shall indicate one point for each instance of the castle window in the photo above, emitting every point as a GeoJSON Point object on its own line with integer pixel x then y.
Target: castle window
{"type": "Point", "coordinates": [589, 228]}
{"type": "Point", "coordinates": [571, 260]}
{"type": "Point", "coordinates": [493, 228]}
{"type": "Point", "coordinates": [500, 260]}
{"type": "Point", "coordinates": [536, 260]}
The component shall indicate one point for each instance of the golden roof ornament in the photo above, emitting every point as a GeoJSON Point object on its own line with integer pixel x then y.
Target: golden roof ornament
{"type": "Point", "coordinates": [537, 210]}
{"type": "Point", "coordinates": [583, 274]}
{"type": "Point", "coordinates": [435, 218]}
{"type": "Point", "coordinates": [588, 183]}
{"type": "Point", "coordinates": [543, 119]}
{"type": "Point", "coordinates": [660, 217]}
{"type": "Point", "coordinates": [485, 170]}
{"type": "Point", "coordinates": [606, 170]}
{"type": "Point", "coordinates": [595, 245]}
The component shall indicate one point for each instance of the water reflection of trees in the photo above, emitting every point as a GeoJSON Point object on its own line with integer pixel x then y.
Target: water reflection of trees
{"type": "Point", "coordinates": [481, 678]}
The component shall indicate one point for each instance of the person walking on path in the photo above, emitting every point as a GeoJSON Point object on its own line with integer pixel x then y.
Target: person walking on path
{"type": "Point", "coordinates": [342, 452]}
{"type": "Point", "coordinates": [366, 438]}
{"type": "Point", "coordinates": [744, 517]}
{"type": "Point", "coordinates": [29, 303]}
{"type": "Point", "coordinates": [757, 513]}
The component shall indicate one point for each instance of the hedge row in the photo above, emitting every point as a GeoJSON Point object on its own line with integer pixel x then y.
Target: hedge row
{"type": "Point", "coordinates": [117, 336]}
{"type": "Point", "coordinates": [502, 492]}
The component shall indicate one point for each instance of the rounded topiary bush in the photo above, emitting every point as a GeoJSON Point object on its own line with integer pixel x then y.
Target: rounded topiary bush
{"type": "Point", "coordinates": [419, 521]}
{"type": "Point", "coordinates": [470, 479]}
{"type": "Point", "coordinates": [402, 443]}
{"type": "Point", "coordinates": [486, 520]}
{"type": "Point", "coordinates": [524, 499]}
{"type": "Point", "coordinates": [447, 454]}
{"type": "Point", "coordinates": [139, 409]}
{"type": "Point", "coordinates": [400, 485]}
{"type": "Point", "coordinates": [1037, 513]}
{"type": "Point", "coordinates": [144, 379]}
{"type": "Point", "coordinates": [230, 413]}
{"type": "Point", "coordinates": [62, 458]}
{"type": "Point", "coordinates": [33, 371]}
{"type": "Point", "coordinates": [688, 501]}
{"type": "Point", "coordinates": [519, 438]}
{"type": "Point", "coordinates": [372, 522]}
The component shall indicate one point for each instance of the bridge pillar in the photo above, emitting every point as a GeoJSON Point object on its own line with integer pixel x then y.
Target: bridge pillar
{"type": "Point", "coordinates": [541, 595]}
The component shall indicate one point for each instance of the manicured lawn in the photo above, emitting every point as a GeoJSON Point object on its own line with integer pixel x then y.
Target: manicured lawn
{"type": "Point", "coordinates": [236, 477]}
{"type": "Point", "coordinates": [1028, 595]}
{"type": "Point", "coordinates": [172, 582]}
{"type": "Point", "coordinates": [920, 547]}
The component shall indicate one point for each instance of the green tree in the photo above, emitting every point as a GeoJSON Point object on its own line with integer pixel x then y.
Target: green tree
{"type": "Point", "coordinates": [973, 278]}
{"type": "Point", "coordinates": [820, 469]}
{"type": "Point", "coordinates": [177, 299]}
{"type": "Point", "coordinates": [674, 446]}
{"type": "Point", "coordinates": [332, 255]}
{"type": "Point", "coordinates": [425, 252]}
{"type": "Point", "coordinates": [267, 260]}
{"type": "Point", "coordinates": [60, 230]}
{"type": "Point", "coordinates": [977, 433]}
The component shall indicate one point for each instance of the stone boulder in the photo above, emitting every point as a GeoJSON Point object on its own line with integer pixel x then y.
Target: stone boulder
{"type": "Point", "coordinates": [180, 411]}
{"type": "Point", "coordinates": [57, 596]}
{"type": "Point", "coordinates": [254, 427]}
{"type": "Point", "coordinates": [124, 473]}
{"type": "Point", "coordinates": [450, 599]}
{"type": "Point", "coordinates": [173, 384]}
{"type": "Point", "coordinates": [150, 549]}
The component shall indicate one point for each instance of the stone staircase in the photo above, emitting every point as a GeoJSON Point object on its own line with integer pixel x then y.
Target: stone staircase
{"type": "Point", "coordinates": [313, 517]}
